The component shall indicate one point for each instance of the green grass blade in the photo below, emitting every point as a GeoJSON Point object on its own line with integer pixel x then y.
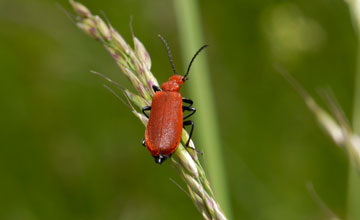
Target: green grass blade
{"type": "Point", "coordinates": [188, 19]}
{"type": "Point", "coordinates": [354, 177]}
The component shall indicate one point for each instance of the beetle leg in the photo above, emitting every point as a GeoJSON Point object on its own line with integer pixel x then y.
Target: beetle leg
{"type": "Point", "coordinates": [188, 101]}
{"type": "Point", "coordinates": [156, 88]}
{"type": "Point", "coordinates": [146, 108]}
{"type": "Point", "coordinates": [189, 108]}
{"type": "Point", "coordinates": [185, 123]}
{"type": "Point", "coordinates": [143, 142]}
{"type": "Point", "coordinates": [159, 159]}
{"type": "Point", "coordinates": [191, 131]}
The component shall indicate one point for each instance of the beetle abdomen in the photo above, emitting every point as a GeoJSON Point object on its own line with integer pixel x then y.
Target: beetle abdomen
{"type": "Point", "coordinates": [164, 128]}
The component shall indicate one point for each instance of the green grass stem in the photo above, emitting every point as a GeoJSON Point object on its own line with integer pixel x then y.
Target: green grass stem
{"type": "Point", "coordinates": [188, 21]}
{"type": "Point", "coordinates": [354, 177]}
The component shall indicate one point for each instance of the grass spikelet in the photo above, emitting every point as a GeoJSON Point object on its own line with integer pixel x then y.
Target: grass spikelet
{"type": "Point", "coordinates": [335, 123]}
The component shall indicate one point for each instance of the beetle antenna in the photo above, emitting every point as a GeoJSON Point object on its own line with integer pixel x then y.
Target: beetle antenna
{"type": "Point", "coordinates": [192, 60]}
{"type": "Point", "coordinates": [169, 53]}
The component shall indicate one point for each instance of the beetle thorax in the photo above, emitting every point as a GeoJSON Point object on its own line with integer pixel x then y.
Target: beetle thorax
{"type": "Point", "coordinates": [173, 85]}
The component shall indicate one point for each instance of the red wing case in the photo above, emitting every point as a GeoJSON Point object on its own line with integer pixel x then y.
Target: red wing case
{"type": "Point", "coordinates": [164, 128]}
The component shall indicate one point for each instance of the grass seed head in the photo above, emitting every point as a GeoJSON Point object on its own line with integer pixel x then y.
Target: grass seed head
{"type": "Point", "coordinates": [103, 28]}
{"type": "Point", "coordinates": [89, 27]}
{"type": "Point", "coordinates": [119, 41]}
{"type": "Point", "coordinates": [142, 53]}
{"type": "Point", "coordinates": [80, 9]}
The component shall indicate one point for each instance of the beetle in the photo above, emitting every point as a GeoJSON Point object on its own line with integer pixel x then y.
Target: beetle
{"type": "Point", "coordinates": [166, 119]}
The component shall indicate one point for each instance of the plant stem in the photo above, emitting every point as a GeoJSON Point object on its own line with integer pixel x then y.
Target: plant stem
{"type": "Point", "coordinates": [188, 20]}
{"type": "Point", "coordinates": [353, 193]}
{"type": "Point", "coordinates": [354, 177]}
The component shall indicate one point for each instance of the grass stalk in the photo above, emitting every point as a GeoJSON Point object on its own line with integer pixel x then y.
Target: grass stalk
{"type": "Point", "coordinates": [188, 21]}
{"type": "Point", "coordinates": [354, 176]}
{"type": "Point", "coordinates": [353, 194]}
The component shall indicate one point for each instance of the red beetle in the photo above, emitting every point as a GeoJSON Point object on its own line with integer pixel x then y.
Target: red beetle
{"type": "Point", "coordinates": [164, 128]}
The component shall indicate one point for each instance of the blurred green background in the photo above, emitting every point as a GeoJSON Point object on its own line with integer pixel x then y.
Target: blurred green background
{"type": "Point", "coordinates": [70, 150]}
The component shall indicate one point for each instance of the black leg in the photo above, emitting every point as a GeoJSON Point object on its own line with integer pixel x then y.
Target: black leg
{"type": "Point", "coordinates": [159, 159]}
{"type": "Point", "coordinates": [146, 108]}
{"type": "Point", "coordinates": [185, 123]}
{"type": "Point", "coordinates": [189, 108]}
{"type": "Point", "coordinates": [188, 101]}
{"type": "Point", "coordinates": [143, 142]}
{"type": "Point", "coordinates": [156, 88]}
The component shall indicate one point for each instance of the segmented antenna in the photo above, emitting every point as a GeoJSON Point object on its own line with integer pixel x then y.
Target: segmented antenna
{"type": "Point", "coordinates": [169, 53]}
{"type": "Point", "coordinates": [192, 60]}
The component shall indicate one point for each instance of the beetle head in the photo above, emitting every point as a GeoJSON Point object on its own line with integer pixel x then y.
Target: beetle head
{"type": "Point", "coordinates": [172, 85]}
{"type": "Point", "coordinates": [178, 79]}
